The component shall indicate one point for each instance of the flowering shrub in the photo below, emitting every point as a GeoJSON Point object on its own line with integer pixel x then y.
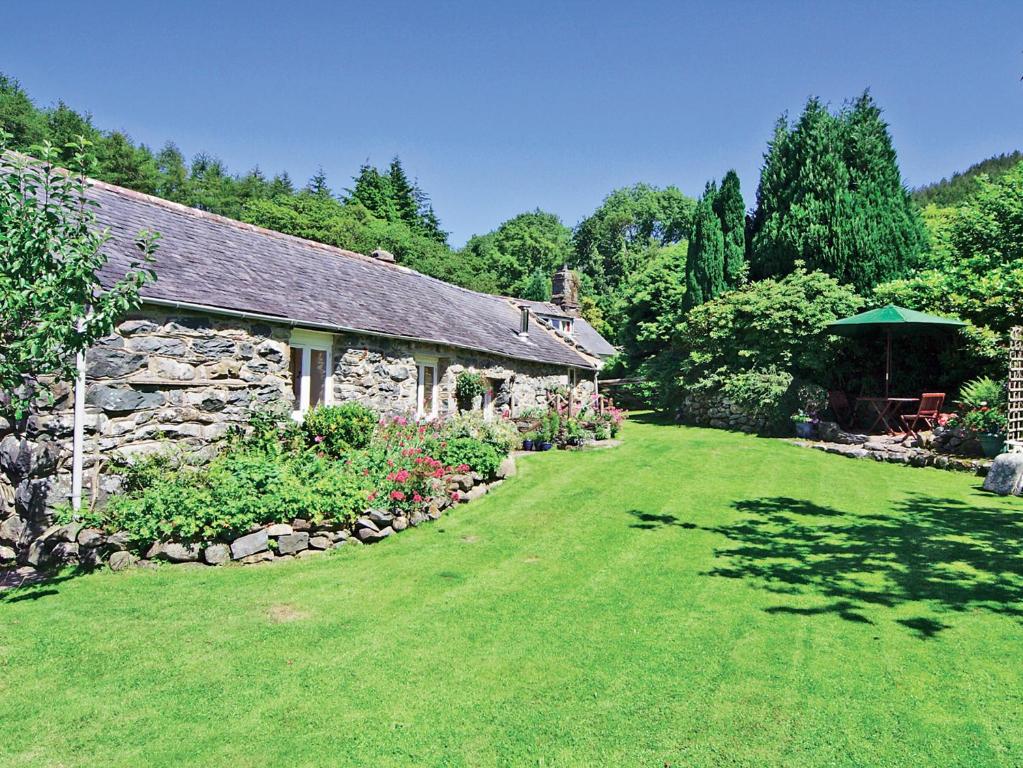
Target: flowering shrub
{"type": "Point", "coordinates": [500, 433]}
{"type": "Point", "coordinates": [337, 429]}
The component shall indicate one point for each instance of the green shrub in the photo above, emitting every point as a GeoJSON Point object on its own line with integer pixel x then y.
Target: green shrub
{"type": "Point", "coordinates": [338, 429]}
{"type": "Point", "coordinates": [500, 433]}
{"type": "Point", "coordinates": [468, 386]}
{"type": "Point", "coordinates": [984, 391]}
{"type": "Point", "coordinates": [478, 456]}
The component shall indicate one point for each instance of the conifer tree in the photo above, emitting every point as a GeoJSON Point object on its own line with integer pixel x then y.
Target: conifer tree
{"type": "Point", "coordinates": [373, 190]}
{"type": "Point", "coordinates": [731, 211]}
{"type": "Point", "coordinates": [318, 184]}
{"type": "Point", "coordinates": [705, 276]}
{"type": "Point", "coordinates": [404, 195]}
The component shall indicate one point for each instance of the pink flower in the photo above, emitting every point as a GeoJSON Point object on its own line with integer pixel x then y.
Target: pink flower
{"type": "Point", "coordinates": [416, 497]}
{"type": "Point", "coordinates": [398, 495]}
{"type": "Point", "coordinates": [455, 496]}
{"type": "Point", "coordinates": [318, 439]}
{"type": "Point", "coordinates": [372, 495]}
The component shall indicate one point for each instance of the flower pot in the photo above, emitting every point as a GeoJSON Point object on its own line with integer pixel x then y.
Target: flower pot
{"type": "Point", "coordinates": [527, 445]}
{"type": "Point", "coordinates": [546, 446]}
{"type": "Point", "coordinates": [804, 429]}
{"type": "Point", "coordinates": [990, 444]}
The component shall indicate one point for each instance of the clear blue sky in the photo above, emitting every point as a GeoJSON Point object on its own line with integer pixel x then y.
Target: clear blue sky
{"type": "Point", "coordinates": [500, 107]}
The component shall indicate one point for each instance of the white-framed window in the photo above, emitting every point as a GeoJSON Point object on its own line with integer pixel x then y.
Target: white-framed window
{"type": "Point", "coordinates": [312, 370]}
{"type": "Point", "coordinates": [427, 388]}
{"type": "Point", "coordinates": [562, 324]}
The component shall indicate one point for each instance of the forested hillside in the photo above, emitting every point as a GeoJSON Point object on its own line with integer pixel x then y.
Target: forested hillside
{"type": "Point", "coordinates": [962, 185]}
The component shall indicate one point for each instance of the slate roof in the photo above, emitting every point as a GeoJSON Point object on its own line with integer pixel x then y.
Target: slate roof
{"type": "Point", "coordinates": [583, 333]}
{"type": "Point", "coordinates": [220, 263]}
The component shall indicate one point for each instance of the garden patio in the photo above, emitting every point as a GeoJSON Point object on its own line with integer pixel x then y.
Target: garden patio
{"type": "Point", "coordinates": [693, 597]}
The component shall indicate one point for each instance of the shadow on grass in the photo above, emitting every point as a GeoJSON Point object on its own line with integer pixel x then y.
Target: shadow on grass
{"type": "Point", "coordinates": [940, 553]}
{"type": "Point", "coordinates": [14, 590]}
{"type": "Point", "coordinates": [648, 521]}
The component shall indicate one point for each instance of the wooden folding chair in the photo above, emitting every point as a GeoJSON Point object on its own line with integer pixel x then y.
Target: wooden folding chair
{"type": "Point", "coordinates": [927, 411]}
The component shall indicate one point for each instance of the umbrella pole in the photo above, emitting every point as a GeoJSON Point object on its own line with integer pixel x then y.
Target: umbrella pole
{"type": "Point", "coordinates": [888, 364]}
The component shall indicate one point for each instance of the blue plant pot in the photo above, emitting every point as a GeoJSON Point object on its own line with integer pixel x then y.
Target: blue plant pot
{"type": "Point", "coordinates": [991, 445]}
{"type": "Point", "coordinates": [546, 446]}
{"type": "Point", "coordinates": [527, 445]}
{"type": "Point", "coordinates": [804, 429]}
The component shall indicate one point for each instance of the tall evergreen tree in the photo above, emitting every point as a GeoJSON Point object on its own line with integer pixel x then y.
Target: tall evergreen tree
{"type": "Point", "coordinates": [705, 262]}
{"type": "Point", "coordinates": [404, 195]}
{"type": "Point", "coordinates": [731, 211]}
{"type": "Point", "coordinates": [373, 191]}
{"type": "Point", "coordinates": [318, 184]}
{"type": "Point", "coordinates": [173, 180]}
{"type": "Point", "coordinates": [831, 195]}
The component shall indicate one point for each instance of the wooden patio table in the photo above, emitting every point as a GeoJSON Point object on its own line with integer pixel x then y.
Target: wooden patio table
{"type": "Point", "coordinates": [887, 408]}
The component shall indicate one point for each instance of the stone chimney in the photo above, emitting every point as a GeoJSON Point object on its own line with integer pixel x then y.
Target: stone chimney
{"type": "Point", "coordinates": [565, 291]}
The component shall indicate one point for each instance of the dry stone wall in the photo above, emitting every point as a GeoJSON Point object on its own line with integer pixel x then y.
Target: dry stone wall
{"type": "Point", "coordinates": [718, 411]}
{"type": "Point", "coordinates": [188, 379]}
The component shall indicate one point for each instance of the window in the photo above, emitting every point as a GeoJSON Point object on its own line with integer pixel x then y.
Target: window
{"type": "Point", "coordinates": [426, 391]}
{"type": "Point", "coordinates": [563, 324]}
{"type": "Point", "coordinates": [311, 375]}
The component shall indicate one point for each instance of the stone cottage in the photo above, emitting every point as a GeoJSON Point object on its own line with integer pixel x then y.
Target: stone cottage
{"type": "Point", "coordinates": [241, 316]}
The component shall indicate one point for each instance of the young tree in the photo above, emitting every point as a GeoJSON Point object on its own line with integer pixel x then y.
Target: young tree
{"type": "Point", "coordinates": [173, 179]}
{"type": "Point", "coordinates": [731, 211]}
{"type": "Point", "coordinates": [403, 192]}
{"type": "Point", "coordinates": [52, 304]}
{"type": "Point", "coordinates": [318, 184]}
{"type": "Point", "coordinates": [537, 287]}
{"type": "Point", "coordinates": [705, 262]}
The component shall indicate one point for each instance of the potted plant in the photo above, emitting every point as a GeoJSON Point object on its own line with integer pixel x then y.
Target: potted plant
{"type": "Point", "coordinates": [985, 403]}
{"type": "Point", "coordinates": [528, 441]}
{"type": "Point", "coordinates": [805, 424]}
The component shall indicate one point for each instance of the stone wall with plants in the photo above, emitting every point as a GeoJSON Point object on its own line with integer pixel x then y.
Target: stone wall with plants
{"type": "Point", "coordinates": [188, 379]}
{"type": "Point", "coordinates": [715, 409]}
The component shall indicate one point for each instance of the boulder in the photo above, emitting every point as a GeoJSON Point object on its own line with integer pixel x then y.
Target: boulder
{"type": "Point", "coordinates": [120, 560]}
{"type": "Point", "coordinates": [155, 550]}
{"type": "Point", "coordinates": [365, 523]}
{"type": "Point", "coordinates": [830, 432]}
{"type": "Point", "coordinates": [89, 557]}
{"type": "Point", "coordinates": [507, 468]}
{"type": "Point", "coordinates": [367, 535]}
{"type": "Point", "coordinates": [380, 517]}
{"type": "Point", "coordinates": [64, 553]}
{"type": "Point", "coordinates": [400, 523]}
{"type": "Point", "coordinates": [292, 543]}
{"type": "Point", "coordinates": [1006, 475]}
{"type": "Point", "coordinates": [11, 529]}
{"type": "Point", "coordinates": [249, 544]}
{"type": "Point", "coordinates": [476, 492]}
{"type": "Point", "coordinates": [300, 524]}
{"type": "Point", "coordinates": [7, 554]}
{"type": "Point", "coordinates": [181, 553]}
{"type": "Point", "coordinates": [69, 532]}
{"type": "Point", "coordinates": [279, 529]}
{"type": "Point", "coordinates": [320, 542]}
{"type": "Point", "coordinates": [119, 540]}
{"type": "Point", "coordinates": [416, 519]}
{"type": "Point", "coordinates": [90, 537]}
{"type": "Point", "coordinates": [265, 556]}
{"type": "Point", "coordinates": [216, 554]}
{"type": "Point", "coordinates": [121, 399]}
{"type": "Point", "coordinates": [460, 482]}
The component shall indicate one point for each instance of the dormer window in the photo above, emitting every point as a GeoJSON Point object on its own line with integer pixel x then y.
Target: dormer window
{"type": "Point", "coordinates": [563, 324]}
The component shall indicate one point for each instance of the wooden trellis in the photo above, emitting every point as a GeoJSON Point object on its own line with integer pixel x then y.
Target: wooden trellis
{"type": "Point", "coordinates": [1015, 435]}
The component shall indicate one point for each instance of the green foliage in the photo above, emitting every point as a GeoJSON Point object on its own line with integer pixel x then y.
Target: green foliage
{"type": "Point", "coordinates": [653, 301]}
{"type": "Point", "coordinates": [336, 430]}
{"type": "Point", "coordinates": [537, 287]}
{"type": "Point", "coordinates": [753, 342]}
{"type": "Point", "coordinates": [984, 391]}
{"type": "Point", "coordinates": [831, 195]}
{"type": "Point", "coordinates": [499, 433]}
{"type": "Point", "coordinates": [468, 386]}
{"type": "Point", "coordinates": [731, 211]}
{"type": "Point", "coordinates": [477, 456]}
{"type": "Point", "coordinates": [52, 304]}
{"type": "Point", "coordinates": [961, 186]}
{"type": "Point", "coordinates": [705, 262]}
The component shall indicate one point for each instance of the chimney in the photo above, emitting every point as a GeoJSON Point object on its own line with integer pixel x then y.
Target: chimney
{"type": "Point", "coordinates": [523, 321]}
{"type": "Point", "coordinates": [381, 255]}
{"type": "Point", "coordinates": [565, 291]}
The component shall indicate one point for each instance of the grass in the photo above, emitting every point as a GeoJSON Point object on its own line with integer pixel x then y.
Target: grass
{"type": "Point", "coordinates": [693, 598]}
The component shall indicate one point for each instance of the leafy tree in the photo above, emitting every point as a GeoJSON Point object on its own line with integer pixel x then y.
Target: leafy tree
{"type": "Point", "coordinates": [64, 126]}
{"type": "Point", "coordinates": [19, 117]}
{"type": "Point", "coordinates": [831, 195]}
{"type": "Point", "coordinates": [52, 305]}
{"type": "Point", "coordinates": [705, 262]}
{"type": "Point", "coordinates": [537, 287]}
{"type": "Point", "coordinates": [731, 211]}
{"type": "Point", "coordinates": [607, 244]}
{"type": "Point", "coordinates": [653, 300]}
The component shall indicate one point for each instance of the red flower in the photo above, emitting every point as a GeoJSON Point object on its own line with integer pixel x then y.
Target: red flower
{"type": "Point", "coordinates": [398, 495]}
{"type": "Point", "coordinates": [455, 496]}
{"type": "Point", "coordinates": [416, 497]}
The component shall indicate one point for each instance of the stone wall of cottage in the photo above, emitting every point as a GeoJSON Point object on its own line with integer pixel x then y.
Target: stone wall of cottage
{"type": "Point", "coordinates": [187, 379]}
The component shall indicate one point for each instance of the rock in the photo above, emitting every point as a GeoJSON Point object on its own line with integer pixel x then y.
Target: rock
{"type": "Point", "coordinates": [368, 535]}
{"type": "Point", "coordinates": [155, 550]}
{"type": "Point", "coordinates": [36, 553]}
{"type": "Point", "coordinates": [89, 557]}
{"type": "Point", "coordinates": [507, 468]}
{"type": "Point", "coordinates": [460, 482]}
{"type": "Point", "coordinates": [90, 537]}
{"type": "Point", "coordinates": [1006, 475]}
{"type": "Point", "coordinates": [119, 541]}
{"type": "Point", "coordinates": [320, 542]}
{"type": "Point", "coordinates": [417, 518]}
{"type": "Point", "coordinates": [131, 327]}
{"type": "Point", "coordinates": [434, 513]}
{"type": "Point", "coordinates": [477, 492]}
{"type": "Point", "coordinates": [106, 363]}
{"type": "Point", "coordinates": [159, 345]}
{"type": "Point", "coordinates": [365, 522]}
{"type": "Point", "coordinates": [216, 554]}
{"type": "Point", "coordinates": [830, 432]}
{"type": "Point", "coordinates": [279, 529]}
{"type": "Point", "coordinates": [257, 557]}
{"type": "Point", "coordinates": [121, 399]}
{"type": "Point", "coordinates": [397, 372]}
{"type": "Point", "coordinates": [215, 347]}
{"type": "Point", "coordinates": [249, 544]}
{"type": "Point", "coordinates": [120, 560]}
{"type": "Point", "coordinates": [181, 553]}
{"type": "Point", "coordinates": [65, 553]}
{"type": "Point", "coordinates": [301, 524]}
{"type": "Point", "coordinates": [292, 543]}
{"type": "Point", "coordinates": [7, 554]}
{"type": "Point", "coordinates": [11, 529]}
{"type": "Point", "coordinates": [477, 478]}
{"type": "Point", "coordinates": [400, 523]}
{"type": "Point", "coordinates": [380, 517]}
{"type": "Point", "coordinates": [69, 532]}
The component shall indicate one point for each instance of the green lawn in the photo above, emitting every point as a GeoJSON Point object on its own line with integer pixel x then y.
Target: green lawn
{"type": "Point", "coordinates": [694, 597]}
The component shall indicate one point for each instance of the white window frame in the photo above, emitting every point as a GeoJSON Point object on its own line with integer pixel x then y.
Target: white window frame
{"type": "Point", "coordinates": [308, 341]}
{"type": "Point", "coordinates": [421, 365]}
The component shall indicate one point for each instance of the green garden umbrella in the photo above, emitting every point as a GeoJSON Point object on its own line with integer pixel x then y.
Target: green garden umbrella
{"type": "Point", "coordinates": [892, 320]}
